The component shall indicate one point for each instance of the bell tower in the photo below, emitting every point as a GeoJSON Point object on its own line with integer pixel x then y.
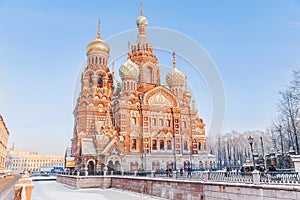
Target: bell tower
{"type": "Point", "coordinates": [142, 54]}
{"type": "Point", "coordinates": [93, 103]}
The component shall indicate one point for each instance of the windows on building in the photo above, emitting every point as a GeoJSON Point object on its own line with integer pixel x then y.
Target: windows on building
{"type": "Point", "coordinates": [161, 122]}
{"type": "Point", "coordinates": [99, 81]}
{"type": "Point", "coordinates": [133, 144]}
{"type": "Point", "coordinates": [169, 145]}
{"type": "Point", "coordinates": [149, 75]}
{"type": "Point", "coordinates": [161, 145]}
{"type": "Point", "coordinates": [153, 122]}
{"type": "Point", "coordinates": [133, 121]}
{"type": "Point", "coordinates": [184, 124]}
{"type": "Point", "coordinates": [154, 145]}
{"type": "Point", "coordinates": [168, 123]}
{"type": "Point", "coordinates": [185, 146]}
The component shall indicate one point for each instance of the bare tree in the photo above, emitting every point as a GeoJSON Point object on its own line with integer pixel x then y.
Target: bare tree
{"type": "Point", "coordinates": [288, 124]}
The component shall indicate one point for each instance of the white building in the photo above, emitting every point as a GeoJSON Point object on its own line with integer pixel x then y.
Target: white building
{"type": "Point", "coordinates": [19, 161]}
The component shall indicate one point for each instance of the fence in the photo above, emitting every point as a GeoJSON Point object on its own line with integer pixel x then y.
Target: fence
{"type": "Point", "coordinates": [215, 176]}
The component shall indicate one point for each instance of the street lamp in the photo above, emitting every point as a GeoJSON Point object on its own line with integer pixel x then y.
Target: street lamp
{"type": "Point", "coordinates": [250, 139]}
{"type": "Point", "coordinates": [143, 155]}
{"type": "Point", "coordinates": [174, 147]}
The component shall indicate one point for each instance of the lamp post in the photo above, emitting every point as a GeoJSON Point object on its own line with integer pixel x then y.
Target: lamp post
{"type": "Point", "coordinates": [139, 107]}
{"type": "Point", "coordinates": [250, 139]}
{"type": "Point", "coordinates": [174, 147]}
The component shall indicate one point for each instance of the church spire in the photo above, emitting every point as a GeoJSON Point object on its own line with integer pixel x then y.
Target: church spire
{"type": "Point", "coordinates": [128, 53]}
{"type": "Point", "coordinates": [174, 59]}
{"type": "Point", "coordinates": [99, 33]}
{"type": "Point", "coordinates": [141, 8]}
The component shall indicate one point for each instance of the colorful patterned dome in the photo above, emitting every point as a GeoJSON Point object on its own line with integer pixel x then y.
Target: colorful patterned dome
{"type": "Point", "coordinates": [175, 78]}
{"type": "Point", "coordinates": [129, 69]}
{"type": "Point", "coordinates": [140, 20]}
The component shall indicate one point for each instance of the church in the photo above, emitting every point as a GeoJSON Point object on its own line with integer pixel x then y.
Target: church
{"type": "Point", "coordinates": [137, 124]}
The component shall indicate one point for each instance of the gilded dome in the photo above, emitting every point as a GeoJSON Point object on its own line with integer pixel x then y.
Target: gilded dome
{"type": "Point", "coordinates": [97, 45]}
{"type": "Point", "coordinates": [129, 68]}
{"type": "Point", "coordinates": [141, 20]}
{"type": "Point", "coordinates": [187, 94]}
{"type": "Point", "coordinates": [175, 78]}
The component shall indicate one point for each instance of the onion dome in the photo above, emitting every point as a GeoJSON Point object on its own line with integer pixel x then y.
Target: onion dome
{"type": "Point", "coordinates": [130, 69]}
{"type": "Point", "coordinates": [141, 20]}
{"type": "Point", "coordinates": [175, 77]}
{"type": "Point", "coordinates": [186, 93]}
{"type": "Point", "coordinates": [98, 44]}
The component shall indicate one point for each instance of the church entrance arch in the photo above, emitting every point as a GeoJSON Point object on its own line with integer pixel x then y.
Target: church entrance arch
{"type": "Point", "coordinates": [91, 167]}
{"type": "Point", "coordinates": [114, 163]}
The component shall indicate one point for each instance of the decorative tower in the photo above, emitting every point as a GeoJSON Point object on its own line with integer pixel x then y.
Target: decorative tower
{"type": "Point", "coordinates": [187, 95]}
{"type": "Point", "coordinates": [142, 55]}
{"type": "Point", "coordinates": [129, 73]}
{"type": "Point", "coordinates": [93, 104]}
{"type": "Point", "coordinates": [175, 79]}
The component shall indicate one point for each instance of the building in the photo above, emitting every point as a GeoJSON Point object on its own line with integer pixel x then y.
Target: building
{"type": "Point", "coordinates": [138, 124]}
{"type": "Point", "coordinates": [19, 161]}
{"type": "Point", "coordinates": [3, 142]}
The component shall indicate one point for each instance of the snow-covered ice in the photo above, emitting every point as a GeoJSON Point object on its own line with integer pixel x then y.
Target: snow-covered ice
{"type": "Point", "coordinates": [51, 190]}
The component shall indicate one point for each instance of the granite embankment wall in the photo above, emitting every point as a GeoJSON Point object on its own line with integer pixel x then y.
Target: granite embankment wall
{"type": "Point", "coordinates": [185, 189]}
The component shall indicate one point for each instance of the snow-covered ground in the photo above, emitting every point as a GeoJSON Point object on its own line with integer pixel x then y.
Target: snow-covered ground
{"type": "Point", "coordinates": [51, 190]}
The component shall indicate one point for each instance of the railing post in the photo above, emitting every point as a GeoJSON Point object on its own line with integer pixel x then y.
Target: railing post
{"type": "Point", "coordinates": [135, 173]}
{"type": "Point", "coordinates": [105, 171]}
{"type": "Point", "coordinates": [174, 174]}
{"type": "Point", "coordinates": [27, 186]}
{"type": "Point", "coordinates": [205, 175]}
{"type": "Point", "coordinates": [256, 177]}
{"type": "Point", "coordinates": [152, 174]}
{"type": "Point", "coordinates": [86, 173]}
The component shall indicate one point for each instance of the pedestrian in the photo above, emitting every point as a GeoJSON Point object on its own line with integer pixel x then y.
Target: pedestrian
{"type": "Point", "coordinates": [189, 173]}
{"type": "Point", "coordinates": [181, 171]}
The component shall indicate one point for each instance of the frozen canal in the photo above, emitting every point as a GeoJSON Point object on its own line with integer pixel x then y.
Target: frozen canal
{"type": "Point", "coordinates": [51, 190]}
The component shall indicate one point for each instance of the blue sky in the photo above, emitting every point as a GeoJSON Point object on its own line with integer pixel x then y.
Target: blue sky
{"type": "Point", "coordinates": [254, 44]}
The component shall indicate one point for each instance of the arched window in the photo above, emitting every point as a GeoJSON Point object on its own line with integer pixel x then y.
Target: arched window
{"type": "Point", "coordinates": [160, 122]}
{"type": "Point", "coordinates": [149, 75]}
{"type": "Point", "coordinates": [127, 86]}
{"type": "Point", "coordinates": [169, 147]}
{"type": "Point", "coordinates": [92, 60]}
{"type": "Point", "coordinates": [133, 144]}
{"type": "Point", "coordinates": [99, 81]}
{"type": "Point", "coordinates": [100, 60]}
{"type": "Point", "coordinates": [133, 121]}
{"type": "Point", "coordinates": [184, 124]}
{"type": "Point", "coordinates": [185, 146]}
{"type": "Point", "coordinates": [199, 146]}
{"type": "Point", "coordinates": [131, 85]}
{"type": "Point", "coordinates": [154, 145]}
{"type": "Point", "coordinates": [91, 78]}
{"type": "Point", "coordinates": [96, 60]}
{"type": "Point", "coordinates": [161, 145]}
{"type": "Point", "coordinates": [168, 123]}
{"type": "Point", "coordinates": [153, 122]}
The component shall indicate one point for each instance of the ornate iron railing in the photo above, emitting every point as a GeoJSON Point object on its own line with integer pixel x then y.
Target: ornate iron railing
{"type": "Point", "coordinates": [280, 178]}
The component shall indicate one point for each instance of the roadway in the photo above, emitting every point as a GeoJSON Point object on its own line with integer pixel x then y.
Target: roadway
{"type": "Point", "coordinates": [7, 190]}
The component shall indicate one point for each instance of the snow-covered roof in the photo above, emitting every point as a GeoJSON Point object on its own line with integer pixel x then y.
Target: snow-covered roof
{"type": "Point", "coordinates": [88, 147]}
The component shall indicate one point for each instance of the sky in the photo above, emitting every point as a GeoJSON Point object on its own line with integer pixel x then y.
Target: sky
{"type": "Point", "coordinates": [254, 45]}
